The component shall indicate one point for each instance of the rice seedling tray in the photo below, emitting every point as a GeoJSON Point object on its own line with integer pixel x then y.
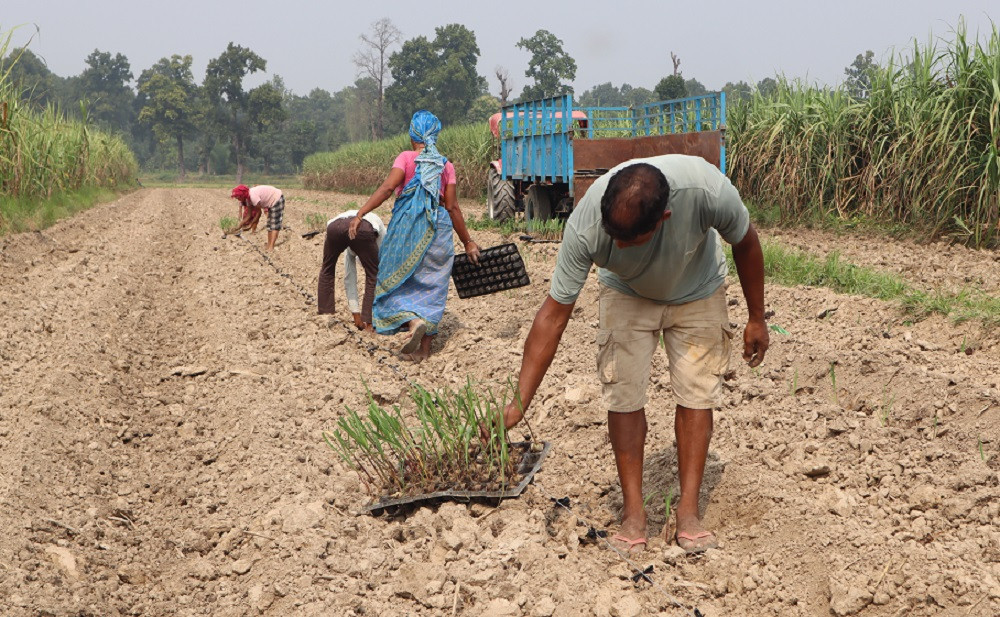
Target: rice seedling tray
{"type": "Point", "coordinates": [500, 268]}
{"type": "Point", "coordinates": [531, 462]}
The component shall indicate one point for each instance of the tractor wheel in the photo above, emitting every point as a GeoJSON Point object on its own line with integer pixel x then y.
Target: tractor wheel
{"type": "Point", "coordinates": [537, 203]}
{"type": "Point", "coordinates": [500, 196]}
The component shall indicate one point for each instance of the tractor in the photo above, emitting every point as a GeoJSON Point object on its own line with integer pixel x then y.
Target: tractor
{"type": "Point", "coordinates": [550, 153]}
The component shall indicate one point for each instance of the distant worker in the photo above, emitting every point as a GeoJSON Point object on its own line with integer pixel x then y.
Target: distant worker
{"type": "Point", "coordinates": [653, 228]}
{"type": "Point", "coordinates": [415, 261]}
{"type": "Point", "coordinates": [253, 201]}
{"type": "Point", "coordinates": [364, 246]}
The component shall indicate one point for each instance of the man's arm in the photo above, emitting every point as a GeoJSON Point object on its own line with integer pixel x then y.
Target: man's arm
{"type": "Point", "coordinates": [351, 286]}
{"type": "Point", "coordinates": [539, 349]}
{"type": "Point", "coordinates": [749, 260]}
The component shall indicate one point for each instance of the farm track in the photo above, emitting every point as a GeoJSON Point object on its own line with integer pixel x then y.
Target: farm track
{"type": "Point", "coordinates": [163, 391]}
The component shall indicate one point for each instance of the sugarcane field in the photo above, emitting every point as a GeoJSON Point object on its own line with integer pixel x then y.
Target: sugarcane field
{"type": "Point", "coordinates": [611, 352]}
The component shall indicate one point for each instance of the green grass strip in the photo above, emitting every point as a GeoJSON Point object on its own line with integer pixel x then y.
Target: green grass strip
{"type": "Point", "coordinates": [791, 268]}
{"type": "Point", "coordinates": [19, 214]}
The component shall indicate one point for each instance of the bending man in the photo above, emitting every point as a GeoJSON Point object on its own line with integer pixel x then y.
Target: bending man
{"type": "Point", "coordinates": [364, 246]}
{"type": "Point", "coordinates": [652, 226]}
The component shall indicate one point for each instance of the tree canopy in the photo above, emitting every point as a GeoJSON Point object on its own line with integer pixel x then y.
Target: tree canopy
{"type": "Point", "coordinates": [550, 67]}
{"type": "Point", "coordinates": [438, 75]}
{"type": "Point", "coordinates": [169, 102]}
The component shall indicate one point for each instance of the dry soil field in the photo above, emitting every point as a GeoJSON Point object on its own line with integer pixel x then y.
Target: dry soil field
{"type": "Point", "coordinates": [163, 392]}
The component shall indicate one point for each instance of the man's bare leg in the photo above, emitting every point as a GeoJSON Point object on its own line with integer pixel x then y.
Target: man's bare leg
{"type": "Point", "coordinates": [272, 237]}
{"type": "Point", "coordinates": [693, 429]}
{"type": "Point", "coordinates": [628, 440]}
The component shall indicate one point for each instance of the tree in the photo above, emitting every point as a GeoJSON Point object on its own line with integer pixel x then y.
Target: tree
{"type": "Point", "coordinates": [458, 84]}
{"type": "Point", "coordinates": [767, 87]}
{"type": "Point", "coordinates": [693, 87]}
{"type": "Point", "coordinates": [438, 75]}
{"type": "Point", "coordinates": [859, 75]}
{"type": "Point", "coordinates": [224, 89]}
{"type": "Point", "coordinates": [266, 117]}
{"type": "Point", "coordinates": [372, 61]}
{"type": "Point", "coordinates": [503, 76]}
{"type": "Point", "coordinates": [637, 97]}
{"type": "Point", "coordinates": [737, 91]}
{"type": "Point", "coordinates": [104, 84]}
{"type": "Point", "coordinates": [670, 87]}
{"type": "Point", "coordinates": [602, 95]}
{"type": "Point", "coordinates": [170, 105]}
{"type": "Point", "coordinates": [482, 108]}
{"type": "Point", "coordinates": [32, 78]}
{"type": "Point", "coordinates": [550, 67]}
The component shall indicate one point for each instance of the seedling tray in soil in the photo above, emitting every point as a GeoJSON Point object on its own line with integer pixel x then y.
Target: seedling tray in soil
{"type": "Point", "coordinates": [500, 268]}
{"type": "Point", "coordinates": [530, 463]}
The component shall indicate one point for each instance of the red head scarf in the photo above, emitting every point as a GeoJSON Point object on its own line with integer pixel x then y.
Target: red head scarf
{"type": "Point", "coordinates": [241, 193]}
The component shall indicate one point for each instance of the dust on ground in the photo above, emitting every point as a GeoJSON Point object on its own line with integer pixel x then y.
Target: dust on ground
{"type": "Point", "coordinates": [163, 392]}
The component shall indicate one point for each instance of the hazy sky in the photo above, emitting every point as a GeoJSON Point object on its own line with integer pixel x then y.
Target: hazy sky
{"type": "Point", "coordinates": [310, 44]}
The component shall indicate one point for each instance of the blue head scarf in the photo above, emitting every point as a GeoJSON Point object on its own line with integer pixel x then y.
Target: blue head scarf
{"type": "Point", "coordinates": [424, 129]}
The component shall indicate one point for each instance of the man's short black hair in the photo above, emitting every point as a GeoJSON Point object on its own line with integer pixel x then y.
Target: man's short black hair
{"type": "Point", "coordinates": [634, 201]}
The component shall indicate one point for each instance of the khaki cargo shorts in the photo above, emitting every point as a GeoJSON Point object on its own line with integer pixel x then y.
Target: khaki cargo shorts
{"type": "Point", "coordinates": [697, 338]}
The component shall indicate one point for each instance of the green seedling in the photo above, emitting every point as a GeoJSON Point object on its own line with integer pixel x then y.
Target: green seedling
{"type": "Point", "coordinates": [457, 442]}
{"type": "Point", "coordinates": [315, 221]}
{"type": "Point", "coordinates": [795, 383]}
{"type": "Point", "coordinates": [888, 400]}
{"type": "Point", "coordinates": [776, 328]}
{"type": "Point", "coordinates": [982, 453]}
{"type": "Point", "coordinates": [833, 381]}
{"type": "Point", "coordinates": [228, 224]}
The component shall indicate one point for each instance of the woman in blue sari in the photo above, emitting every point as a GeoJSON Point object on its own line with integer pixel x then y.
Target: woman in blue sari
{"type": "Point", "coordinates": [417, 253]}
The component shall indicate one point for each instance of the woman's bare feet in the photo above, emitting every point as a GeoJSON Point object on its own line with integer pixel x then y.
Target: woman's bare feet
{"type": "Point", "coordinates": [417, 330]}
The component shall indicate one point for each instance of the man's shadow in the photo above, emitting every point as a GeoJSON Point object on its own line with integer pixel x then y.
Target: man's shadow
{"type": "Point", "coordinates": [660, 483]}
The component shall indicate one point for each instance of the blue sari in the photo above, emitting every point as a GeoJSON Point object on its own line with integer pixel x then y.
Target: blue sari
{"type": "Point", "coordinates": [417, 253]}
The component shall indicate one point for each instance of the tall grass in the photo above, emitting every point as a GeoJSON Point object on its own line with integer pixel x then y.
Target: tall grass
{"type": "Point", "coordinates": [44, 155]}
{"type": "Point", "coordinates": [361, 167]}
{"type": "Point", "coordinates": [921, 149]}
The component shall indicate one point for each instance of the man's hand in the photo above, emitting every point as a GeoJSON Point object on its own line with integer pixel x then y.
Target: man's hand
{"type": "Point", "coordinates": [756, 340]}
{"type": "Point", "coordinates": [512, 414]}
{"type": "Point", "coordinates": [358, 322]}
{"type": "Point", "coordinates": [352, 230]}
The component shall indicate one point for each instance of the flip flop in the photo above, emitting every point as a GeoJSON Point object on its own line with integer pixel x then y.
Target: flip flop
{"type": "Point", "coordinates": [630, 544]}
{"type": "Point", "coordinates": [696, 548]}
{"type": "Point", "coordinates": [416, 335]}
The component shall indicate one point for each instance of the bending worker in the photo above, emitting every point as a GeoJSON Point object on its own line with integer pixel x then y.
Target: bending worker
{"type": "Point", "coordinates": [653, 228]}
{"type": "Point", "coordinates": [364, 246]}
{"type": "Point", "coordinates": [253, 200]}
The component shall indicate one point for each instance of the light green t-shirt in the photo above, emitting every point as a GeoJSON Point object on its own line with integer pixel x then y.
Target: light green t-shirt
{"type": "Point", "coordinates": [683, 261]}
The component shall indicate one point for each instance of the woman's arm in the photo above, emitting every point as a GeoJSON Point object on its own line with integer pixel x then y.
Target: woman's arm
{"type": "Point", "coordinates": [393, 180]}
{"type": "Point", "coordinates": [458, 222]}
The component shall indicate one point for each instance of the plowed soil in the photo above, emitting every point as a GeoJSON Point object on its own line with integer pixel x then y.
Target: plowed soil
{"type": "Point", "coordinates": [163, 391]}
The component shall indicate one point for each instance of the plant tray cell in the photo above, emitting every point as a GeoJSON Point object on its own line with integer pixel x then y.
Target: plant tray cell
{"type": "Point", "coordinates": [530, 463]}
{"type": "Point", "coordinates": [500, 267]}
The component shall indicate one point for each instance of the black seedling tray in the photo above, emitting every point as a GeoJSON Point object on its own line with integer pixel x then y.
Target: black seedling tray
{"type": "Point", "coordinates": [500, 267]}
{"type": "Point", "coordinates": [530, 463]}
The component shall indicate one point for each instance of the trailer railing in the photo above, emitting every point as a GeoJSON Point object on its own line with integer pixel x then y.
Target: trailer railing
{"type": "Point", "coordinates": [536, 139]}
{"type": "Point", "coordinates": [705, 112]}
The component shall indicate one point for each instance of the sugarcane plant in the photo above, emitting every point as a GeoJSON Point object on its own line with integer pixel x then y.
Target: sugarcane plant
{"type": "Point", "coordinates": [457, 441]}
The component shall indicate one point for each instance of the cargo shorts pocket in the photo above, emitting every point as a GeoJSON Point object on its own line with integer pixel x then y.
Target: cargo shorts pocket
{"type": "Point", "coordinates": [607, 366]}
{"type": "Point", "coordinates": [726, 349]}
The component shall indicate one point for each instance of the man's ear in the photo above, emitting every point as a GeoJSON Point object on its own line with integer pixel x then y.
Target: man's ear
{"type": "Point", "coordinates": [666, 215]}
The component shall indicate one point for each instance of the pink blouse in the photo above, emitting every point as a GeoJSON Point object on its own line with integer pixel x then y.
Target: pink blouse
{"type": "Point", "coordinates": [407, 162]}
